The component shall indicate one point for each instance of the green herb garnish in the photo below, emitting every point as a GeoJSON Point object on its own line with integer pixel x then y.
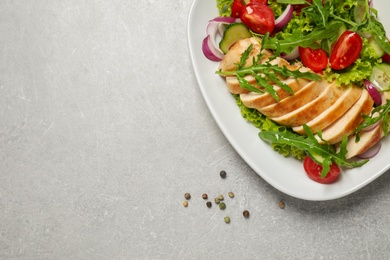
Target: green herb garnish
{"type": "Point", "coordinates": [311, 145]}
{"type": "Point", "coordinates": [378, 114]}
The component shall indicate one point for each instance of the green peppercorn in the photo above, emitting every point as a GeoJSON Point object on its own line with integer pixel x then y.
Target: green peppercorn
{"type": "Point", "coordinates": [222, 206]}
{"type": "Point", "coordinates": [209, 204]}
{"type": "Point", "coordinates": [220, 197]}
{"type": "Point", "coordinates": [231, 194]}
{"type": "Point", "coordinates": [216, 200]}
{"type": "Point", "coordinates": [204, 196]}
{"type": "Point", "coordinates": [227, 219]}
{"type": "Point", "coordinates": [187, 196]}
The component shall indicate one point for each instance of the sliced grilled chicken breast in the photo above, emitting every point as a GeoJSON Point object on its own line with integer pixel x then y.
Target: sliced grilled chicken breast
{"type": "Point", "coordinates": [311, 110]}
{"type": "Point", "coordinates": [367, 140]}
{"type": "Point", "coordinates": [260, 100]}
{"type": "Point", "coordinates": [308, 93]}
{"type": "Point", "coordinates": [348, 98]}
{"type": "Point", "coordinates": [347, 123]}
{"type": "Point", "coordinates": [233, 56]}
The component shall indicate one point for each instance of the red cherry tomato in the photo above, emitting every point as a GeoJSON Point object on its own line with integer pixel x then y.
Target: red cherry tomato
{"type": "Point", "coordinates": [258, 17]}
{"type": "Point", "coordinates": [386, 58]}
{"type": "Point", "coordinates": [315, 59]}
{"type": "Point", "coordinates": [236, 8]}
{"type": "Point", "coordinates": [313, 170]}
{"type": "Point", "coordinates": [346, 50]}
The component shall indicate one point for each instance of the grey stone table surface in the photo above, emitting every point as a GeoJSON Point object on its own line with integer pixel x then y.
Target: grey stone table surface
{"type": "Point", "coordinates": [103, 129]}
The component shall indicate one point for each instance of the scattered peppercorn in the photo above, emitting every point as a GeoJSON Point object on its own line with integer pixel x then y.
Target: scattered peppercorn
{"type": "Point", "coordinates": [216, 200]}
{"type": "Point", "coordinates": [187, 196]}
{"type": "Point", "coordinates": [185, 203]}
{"type": "Point", "coordinates": [222, 205]}
{"type": "Point", "coordinates": [231, 194]}
{"type": "Point", "coordinates": [222, 174]}
{"type": "Point", "coordinates": [227, 219]}
{"type": "Point", "coordinates": [281, 204]}
{"type": "Point", "coordinates": [209, 204]}
{"type": "Point", "coordinates": [220, 197]}
{"type": "Point", "coordinates": [246, 214]}
{"type": "Point", "coordinates": [204, 196]}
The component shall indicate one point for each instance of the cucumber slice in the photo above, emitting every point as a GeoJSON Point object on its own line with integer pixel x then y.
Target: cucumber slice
{"type": "Point", "coordinates": [316, 157]}
{"type": "Point", "coordinates": [378, 50]}
{"type": "Point", "coordinates": [380, 76]}
{"type": "Point", "coordinates": [233, 33]}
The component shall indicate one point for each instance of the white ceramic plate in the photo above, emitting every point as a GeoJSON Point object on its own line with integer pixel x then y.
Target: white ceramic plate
{"type": "Point", "coordinates": [285, 174]}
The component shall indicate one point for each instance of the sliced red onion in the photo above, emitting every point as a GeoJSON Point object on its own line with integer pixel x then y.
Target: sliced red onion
{"type": "Point", "coordinates": [374, 93]}
{"type": "Point", "coordinates": [212, 28]}
{"type": "Point", "coordinates": [223, 19]}
{"type": "Point", "coordinates": [370, 152]}
{"type": "Point", "coordinates": [284, 18]}
{"type": "Point", "coordinates": [291, 56]}
{"type": "Point", "coordinates": [370, 127]}
{"type": "Point", "coordinates": [210, 51]}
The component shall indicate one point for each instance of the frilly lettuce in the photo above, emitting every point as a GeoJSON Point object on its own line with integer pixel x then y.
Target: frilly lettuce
{"type": "Point", "coordinates": [265, 124]}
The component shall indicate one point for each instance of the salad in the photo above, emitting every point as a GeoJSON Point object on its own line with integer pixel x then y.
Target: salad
{"type": "Point", "coordinates": [340, 42]}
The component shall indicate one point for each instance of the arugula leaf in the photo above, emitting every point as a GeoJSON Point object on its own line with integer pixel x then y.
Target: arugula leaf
{"type": "Point", "coordinates": [245, 56]}
{"type": "Point", "coordinates": [298, 38]}
{"type": "Point", "coordinates": [317, 13]}
{"type": "Point", "coordinates": [265, 73]}
{"type": "Point", "coordinates": [378, 114]}
{"type": "Point", "coordinates": [311, 145]}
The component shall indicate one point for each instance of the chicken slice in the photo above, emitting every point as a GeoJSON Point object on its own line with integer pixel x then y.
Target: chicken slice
{"type": "Point", "coordinates": [367, 140]}
{"type": "Point", "coordinates": [311, 110]}
{"type": "Point", "coordinates": [260, 100]}
{"type": "Point", "coordinates": [233, 56]}
{"type": "Point", "coordinates": [348, 98]}
{"type": "Point", "coordinates": [308, 93]}
{"type": "Point", "coordinates": [347, 123]}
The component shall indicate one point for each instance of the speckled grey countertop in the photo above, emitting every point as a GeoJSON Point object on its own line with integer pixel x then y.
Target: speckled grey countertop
{"type": "Point", "coordinates": [103, 129]}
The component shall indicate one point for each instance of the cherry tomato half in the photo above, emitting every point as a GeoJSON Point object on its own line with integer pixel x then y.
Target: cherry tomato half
{"type": "Point", "coordinates": [346, 50]}
{"type": "Point", "coordinates": [259, 18]}
{"type": "Point", "coordinates": [236, 8]}
{"type": "Point", "coordinates": [313, 170]}
{"type": "Point", "coordinates": [386, 58]}
{"type": "Point", "coordinates": [315, 59]}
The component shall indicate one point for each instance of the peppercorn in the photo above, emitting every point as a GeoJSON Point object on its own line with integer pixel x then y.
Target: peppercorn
{"type": "Point", "coordinates": [220, 197]}
{"type": "Point", "coordinates": [227, 219]}
{"type": "Point", "coordinates": [281, 204]}
{"type": "Point", "coordinates": [231, 194]}
{"type": "Point", "coordinates": [185, 203]}
{"type": "Point", "coordinates": [187, 196]}
{"type": "Point", "coordinates": [204, 196]}
{"type": "Point", "coordinates": [222, 206]}
{"type": "Point", "coordinates": [209, 204]}
{"type": "Point", "coordinates": [222, 174]}
{"type": "Point", "coordinates": [216, 200]}
{"type": "Point", "coordinates": [246, 214]}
